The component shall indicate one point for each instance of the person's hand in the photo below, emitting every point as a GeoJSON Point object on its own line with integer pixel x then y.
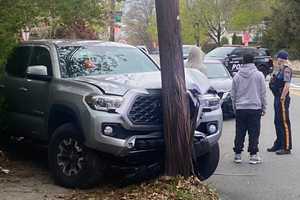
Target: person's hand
{"type": "Point", "coordinates": [282, 98]}
{"type": "Point", "coordinates": [263, 113]}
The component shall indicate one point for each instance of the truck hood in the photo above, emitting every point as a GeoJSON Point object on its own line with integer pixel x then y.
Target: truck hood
{"type": "Point", "coordinates": [221, 85]}
{"type": "Point", "coordinates": [120, 84]}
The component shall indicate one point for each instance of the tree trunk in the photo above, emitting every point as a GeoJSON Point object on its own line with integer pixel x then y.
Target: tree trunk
{"type": "Point", "coordinates": [178, 138]}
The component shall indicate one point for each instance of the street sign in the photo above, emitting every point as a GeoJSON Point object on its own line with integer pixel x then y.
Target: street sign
{"type": "Point", "coordinates": [118, 16]}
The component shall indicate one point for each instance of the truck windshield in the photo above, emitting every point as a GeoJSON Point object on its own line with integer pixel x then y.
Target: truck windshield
{"type": "Point", "coordinates": [77, 61]}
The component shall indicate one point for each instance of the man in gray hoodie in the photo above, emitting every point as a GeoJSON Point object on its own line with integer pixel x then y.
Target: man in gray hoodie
{"type": "Point", "coordinates": [249, 103]}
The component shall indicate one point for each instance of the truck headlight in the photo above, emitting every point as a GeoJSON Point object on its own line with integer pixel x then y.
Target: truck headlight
{"type": "Point", "coordinates": [104, 102]}
{"type": "Point", "coordinates": [210, 101]}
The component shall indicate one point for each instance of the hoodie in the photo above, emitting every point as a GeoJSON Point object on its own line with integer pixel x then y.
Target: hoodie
{"type": "Point", "coordinates": [249, 89]}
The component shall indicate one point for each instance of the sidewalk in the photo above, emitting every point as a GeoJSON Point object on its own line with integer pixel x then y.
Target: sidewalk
{"type": "Point", "coordinates": [296, 67]}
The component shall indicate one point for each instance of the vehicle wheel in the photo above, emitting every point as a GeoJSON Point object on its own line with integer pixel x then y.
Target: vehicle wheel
{"type": "Point", "coordinates": [207, 164]}
{"type": "Point", "coordinates": [72, 164]}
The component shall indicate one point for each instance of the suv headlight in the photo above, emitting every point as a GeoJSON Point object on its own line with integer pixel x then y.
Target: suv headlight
{"type": "Point", "coordinates": [104, 102]}
{"type": "Point", "coordinates": [210, 101]}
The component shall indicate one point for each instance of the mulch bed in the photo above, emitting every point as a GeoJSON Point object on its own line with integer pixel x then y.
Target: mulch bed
{"type": "Point", "coordinates": [164, 188]}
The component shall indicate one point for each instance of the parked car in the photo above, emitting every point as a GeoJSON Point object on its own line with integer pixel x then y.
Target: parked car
{"type": "Point", "coordinates": [232, 57]}
{"type": "Point", "coordinates": [221, 81]}
{"type": "Point", "coordinates": [186, 50]}
{"type": "Point", "coordinates": [98, 106]}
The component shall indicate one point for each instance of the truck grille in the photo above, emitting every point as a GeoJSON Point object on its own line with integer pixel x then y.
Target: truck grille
{"type": "Point", "coordinates": [146, 110]}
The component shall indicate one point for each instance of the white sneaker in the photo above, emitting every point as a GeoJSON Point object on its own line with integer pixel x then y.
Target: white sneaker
{"type": "Point", "coordinates": [255, 159]}
{"type": "Point", "coordinates": [238, 158]}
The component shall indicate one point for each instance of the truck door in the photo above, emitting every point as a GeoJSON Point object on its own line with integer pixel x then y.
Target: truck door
{"type": "Point", "coordinates": [15, 91]}
{"type": "Point", "coordinates": [38, 93]}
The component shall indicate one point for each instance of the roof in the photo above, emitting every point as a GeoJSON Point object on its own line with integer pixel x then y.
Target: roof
{"type": "Point", "coordinates": [78, 43]}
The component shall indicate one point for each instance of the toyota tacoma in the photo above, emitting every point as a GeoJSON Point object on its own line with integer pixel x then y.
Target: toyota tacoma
{"type": "Point", "coordinates": [97, 106]}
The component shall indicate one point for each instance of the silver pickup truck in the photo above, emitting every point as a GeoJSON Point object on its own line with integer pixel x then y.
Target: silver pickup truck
{"type": "Point", "coordinates": [97, 105]}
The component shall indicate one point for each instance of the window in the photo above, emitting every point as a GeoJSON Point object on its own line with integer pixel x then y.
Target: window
{"type": "Point", "coordinates": [98, 60]}
{"type": "Point", "coordinates": [220, 52]}
{"type": "Point", "coordinates": [264, 52]}
{"type": "Point", "coordinates": [18, 61]}
{"type": "Point", "coordinates": [243, 51]}
{"type": "Point", "coordinates": [41, 56]}
{"type": "Point", "coordinates": [253, 51]}
{"type": "Point", "coordinates": [239, 52]}
{"type": "Point", "coordinates": [216, 71]}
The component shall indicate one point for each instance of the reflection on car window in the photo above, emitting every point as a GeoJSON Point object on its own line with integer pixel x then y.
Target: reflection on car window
{"type": "Point", "coordinates": [96, 60]}
{"type": "Point", "coordinates": [18, 61]}
{"type": "Point", "coordinates": [263, 52]}
{"type": "Point", "coordinates": [41, 56]}
{"type": "Point", "coordinates": [239, 52]}
{"type": "Point", "coordinates": [216, 70]}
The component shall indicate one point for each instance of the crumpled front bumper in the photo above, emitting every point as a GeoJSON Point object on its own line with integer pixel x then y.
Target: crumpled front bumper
{"type": "Point", "coordinates": [139, 143]}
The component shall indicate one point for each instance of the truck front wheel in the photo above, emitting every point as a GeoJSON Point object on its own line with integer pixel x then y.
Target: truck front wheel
{"type": "Point", "coordinates": [207, 164]}
{"type": "Point", "coordinates": [72, 164]}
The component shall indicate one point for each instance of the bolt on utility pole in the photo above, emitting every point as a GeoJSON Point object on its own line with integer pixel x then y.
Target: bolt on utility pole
{"type": "Point", "coordinates": [177, 129]}
{"type": "Point", "coordinates": [112, 20]}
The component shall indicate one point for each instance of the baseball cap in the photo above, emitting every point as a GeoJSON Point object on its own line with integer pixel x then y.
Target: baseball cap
{"type": "Point", "coordinates": [283, 55]}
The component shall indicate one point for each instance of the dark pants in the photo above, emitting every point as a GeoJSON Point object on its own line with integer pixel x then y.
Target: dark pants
{"type": "Point", "coordinates": [247, 120]}
{"type": "Point", "coordinates": [282, 124]}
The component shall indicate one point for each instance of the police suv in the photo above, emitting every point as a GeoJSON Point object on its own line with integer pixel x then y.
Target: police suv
{"type": "Point", "coordinates": [232, 57]}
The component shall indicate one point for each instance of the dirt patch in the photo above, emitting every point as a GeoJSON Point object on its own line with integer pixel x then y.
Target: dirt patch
{"type": "Point", "coordinates": [29, 179]}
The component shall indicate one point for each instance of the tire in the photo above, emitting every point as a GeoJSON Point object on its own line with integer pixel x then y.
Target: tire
{"type": "Point", "coordinates": [72, 164]}
{"type": "Point", "coordinates": [207, 164]}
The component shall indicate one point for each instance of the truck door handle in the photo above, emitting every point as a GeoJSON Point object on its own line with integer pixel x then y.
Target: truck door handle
{"type": "Point", "coordinates": [23, 89]}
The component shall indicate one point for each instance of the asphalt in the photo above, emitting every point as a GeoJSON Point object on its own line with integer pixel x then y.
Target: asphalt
{"type": "Point", "coordinates": [277, 178]}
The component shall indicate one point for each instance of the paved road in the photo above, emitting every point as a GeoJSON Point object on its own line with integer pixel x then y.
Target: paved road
{"type": "Point", "coordinates": [277, 178]}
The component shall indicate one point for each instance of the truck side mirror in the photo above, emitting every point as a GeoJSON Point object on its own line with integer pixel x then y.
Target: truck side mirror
{"type": "Point", "coordinates": [38, 72]}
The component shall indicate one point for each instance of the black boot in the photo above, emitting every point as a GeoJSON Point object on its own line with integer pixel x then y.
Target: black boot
{"type": "Point", "coordinates": [272, 149]}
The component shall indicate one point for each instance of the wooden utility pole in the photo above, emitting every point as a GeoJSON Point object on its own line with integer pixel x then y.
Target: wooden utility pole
{"type": "Point", "coordinates": [112, 20]}
{"type": "Point", "coordinates": [178, 137]}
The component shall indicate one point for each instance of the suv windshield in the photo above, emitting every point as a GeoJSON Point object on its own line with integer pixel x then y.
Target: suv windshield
{"type": "Point", "coordinates": [186, 50]}
{"type": "Point", "coordinates": [78, 61]}
{"type": "Point", "coordinates": [216, 70]}
{"type": "Point", "coordinates": [220, 52]}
